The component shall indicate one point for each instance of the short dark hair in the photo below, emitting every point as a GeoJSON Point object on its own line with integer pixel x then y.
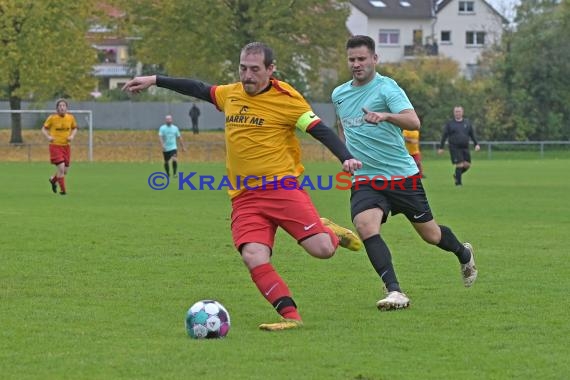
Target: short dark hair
{"type": "Point", "coordinates": [258, 48]}
{"type": "Point", "coordinates": [360, 40]}
{"type": "Point", "coordinates": [61, 100]}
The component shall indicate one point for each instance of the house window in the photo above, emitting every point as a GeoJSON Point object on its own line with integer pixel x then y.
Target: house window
{"type": "Point", "coordinates": [389, 37]}
{"type": "Point", "coordinates": [418, 36]}
{"type": "Point", "coordinates": [445, 37]}
{"type": "Point", "coordinates": [466, 7]}
{"type": "Point", "coordinates": [475, 38]}
{"type": "Point", "coordinates": [107, 56]}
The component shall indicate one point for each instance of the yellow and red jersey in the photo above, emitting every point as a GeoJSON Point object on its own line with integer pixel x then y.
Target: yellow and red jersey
{"type": "Point", "coordinates": [60, 127]}
{"type": "Point", "coordinates": [412, 147]}
{"type": "Point", "coordinates": [260, 132]}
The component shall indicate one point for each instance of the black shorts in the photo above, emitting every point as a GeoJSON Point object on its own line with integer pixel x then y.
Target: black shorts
{"type": "Point", "coordinates": [168, 155]}
{"type": "Point", "coordinates": [459, 154]}
{"type": "Point", "coordinates": [406, 196]}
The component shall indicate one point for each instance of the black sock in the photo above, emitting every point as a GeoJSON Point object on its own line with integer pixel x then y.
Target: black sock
{"type": "Point", "coordinates": [381, 259]}
{"type": "Point", "coordinates": [450, 243]}
{"type": "Point", "coordinates": [167, 169]}
{"type": "Point", "coordinates": [174, 167]}
{"type": "Point", "coordinates": [458, 172]}
{"type": "Point", "coordinates": [464, 169]}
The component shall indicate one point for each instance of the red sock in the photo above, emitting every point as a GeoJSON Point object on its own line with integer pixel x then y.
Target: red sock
{"type": "Point", "coordinates": [61, 181]}
{"type": "Point", "coordinates": [272, 287]}
{"type": "Point", "coordinates": [53, 179]}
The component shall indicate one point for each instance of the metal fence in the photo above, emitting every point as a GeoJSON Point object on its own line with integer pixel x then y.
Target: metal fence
{"type": "Point", "coordinates": [214, 151]}
{"type": "Point", "coordinates": [494, 147]}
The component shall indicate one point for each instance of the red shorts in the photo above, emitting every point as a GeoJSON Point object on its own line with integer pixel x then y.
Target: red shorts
{"type": "Point", "coordinates": [417, 156]}
{"type": "Point", "coordinates": [59, 154]}
{"type": "Point", "coordinates": [256, 214]}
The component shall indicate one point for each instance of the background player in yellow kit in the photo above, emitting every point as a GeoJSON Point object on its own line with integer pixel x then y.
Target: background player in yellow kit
{"type": "Point", "coordinates": [60, 129]}
{"type": "Point", "coordinates": [412, 139]}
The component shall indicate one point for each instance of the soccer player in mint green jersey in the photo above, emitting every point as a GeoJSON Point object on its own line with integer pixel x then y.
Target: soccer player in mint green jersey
{"type": "Point", "coordinates": [169, 134]}
{"type": "Point", "coordinates": [373, 110]}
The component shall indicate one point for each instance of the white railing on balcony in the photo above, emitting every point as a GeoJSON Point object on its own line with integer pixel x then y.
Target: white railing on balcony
{"type": "Point", "coordinates": [110, 70]}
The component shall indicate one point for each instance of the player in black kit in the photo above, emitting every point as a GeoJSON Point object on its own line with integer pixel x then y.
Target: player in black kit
{"type": "Point", "coordinates": [459, 131]}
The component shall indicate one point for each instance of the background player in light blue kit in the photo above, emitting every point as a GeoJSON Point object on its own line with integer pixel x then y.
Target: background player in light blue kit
{"type": "Point", "coordinates": [169, 134]}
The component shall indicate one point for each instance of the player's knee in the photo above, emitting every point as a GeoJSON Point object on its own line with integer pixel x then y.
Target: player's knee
{"type": "Point", "coordinates": [321, 247]}
{"type": "Point", "coordinates": [365, 228]}
{"type": "Point", "coordinates": [252, 257]}
{"type": "Point", "coordinates": [431, 236]}
{"type": "Point", "coordinates": [325, 250]}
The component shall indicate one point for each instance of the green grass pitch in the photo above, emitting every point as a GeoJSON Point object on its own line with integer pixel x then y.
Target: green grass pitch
{"type": "Point", "coordinates": [95, 285]}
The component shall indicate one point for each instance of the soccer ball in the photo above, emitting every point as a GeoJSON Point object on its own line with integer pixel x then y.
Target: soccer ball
{"type": "Point", "coordinates": [207, 319]}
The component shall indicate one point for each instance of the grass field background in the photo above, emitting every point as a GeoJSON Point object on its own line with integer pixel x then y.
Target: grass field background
{"type": "Point", "coordinates": [95, 285]}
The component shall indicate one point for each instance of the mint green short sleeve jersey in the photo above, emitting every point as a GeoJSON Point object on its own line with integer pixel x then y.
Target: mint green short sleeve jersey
{"type": "Point", "coordinates": [380, 146]}
{"type": "Point", "coordinates": [169, 134]}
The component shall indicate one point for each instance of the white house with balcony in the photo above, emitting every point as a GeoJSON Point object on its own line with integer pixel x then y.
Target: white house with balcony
{"type": "Point", "coordinates": [112, 68]}
{"type": "Point", "coordinates": [465, 28]}
{"type": "Point", "coordinates": [401, 28]}
{"type": "Point", "coordinates": [405, 29]}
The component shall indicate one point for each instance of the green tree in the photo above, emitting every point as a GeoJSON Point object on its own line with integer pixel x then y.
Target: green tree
{"type": "Point", "coordinates": [495, 79]}
{"type": "Point", "coordinates": [539, 60]}
{"type": "Point", "coordinates": [44, 52]}
{"type": "Point", "coordinates": [203, 39]}
{"type": "Point", "coordinates": [522, 89]}
{"type": "Point", "coordinates": [432, 86]}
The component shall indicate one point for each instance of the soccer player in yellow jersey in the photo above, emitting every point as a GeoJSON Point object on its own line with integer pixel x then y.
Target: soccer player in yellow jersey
{"type": "Point", "coordinates": [262, 115]}
{"type": "Point", "coordinates": [60, 129]}
{"type": "Point", "coordinates": [412, 139]}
